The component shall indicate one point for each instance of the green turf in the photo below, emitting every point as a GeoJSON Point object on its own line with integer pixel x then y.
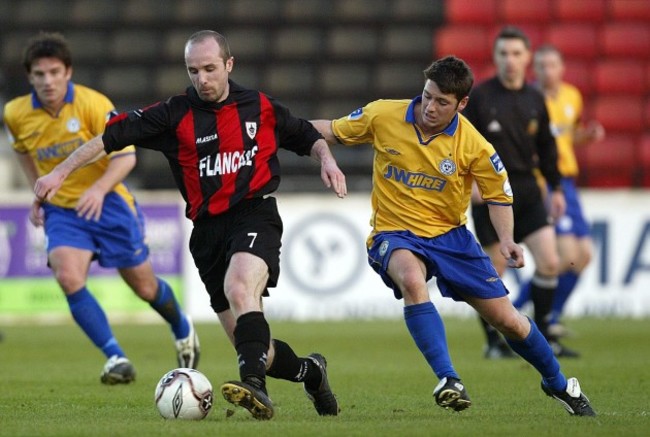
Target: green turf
{"type": "Point", "coordinates": [49, 384]}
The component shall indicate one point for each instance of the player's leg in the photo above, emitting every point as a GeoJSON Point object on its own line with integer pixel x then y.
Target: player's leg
{"type": "Point", "coordinates": [70, 248]}
{"type": "Point", "coordinates": [120, 236]}
{"type": "Point", "coordinates": [245, 281]}
{"type": "Point", "coordinates": [70, 267]}
{"type": "Point", "coordinates": [160, 296]}
{"type": "Point", "coordinates": [524, 337]}
{"type": "Point", "coordinates": [542, 246]}
{"type": "Point", "coordinates": [406, 274]}
{"type": "Point", "coordinates": [496, 347]}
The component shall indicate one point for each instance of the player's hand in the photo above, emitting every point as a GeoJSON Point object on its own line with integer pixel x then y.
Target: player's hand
{"type": "Point", "coordinates": [91, 203]}
{"type": "Point", "coordinates": [513, 253]}
{"type": "Point", "coordinates": [36, 216]}
{"type": "Point", "coordinates": [333, 177]}
{"type": "Point", "coordinates": [46, 186]}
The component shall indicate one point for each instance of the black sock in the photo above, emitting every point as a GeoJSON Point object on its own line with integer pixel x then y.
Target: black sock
{"type": "Point", "coordinates": [252, 339]}
{"type": "Point", "coordinates": [542, 290]}
{"type": "Point", "coordinates": [288, 366]}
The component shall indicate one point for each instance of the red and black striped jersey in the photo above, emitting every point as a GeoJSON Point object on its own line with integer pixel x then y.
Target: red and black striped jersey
{"type": "Point", "coordinates": [219, 153]}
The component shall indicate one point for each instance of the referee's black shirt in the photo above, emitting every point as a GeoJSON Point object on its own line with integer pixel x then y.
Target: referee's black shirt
{"type": "Point", "coordinates": [516, 123]}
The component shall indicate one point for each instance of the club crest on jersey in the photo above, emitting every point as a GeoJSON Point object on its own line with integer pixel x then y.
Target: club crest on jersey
{"type": "Point", "coordinates": [497, 163]}
{"type": "Point", "coordinates": [251, 129]}
{"type": "Point", "coordinates": [447, 167]}
{"type": "Point", "coordinates": [356, 114]}
{"type": "Point", "coordinates": [73, 125]}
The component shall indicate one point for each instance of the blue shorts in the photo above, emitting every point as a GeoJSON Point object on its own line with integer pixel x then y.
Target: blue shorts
{"type": "Point", "coordinates": [117, 239]}
{"type": "Point", "coordinates": [573, 222]}
{"type": "Point", "coordinates": [455, 259]}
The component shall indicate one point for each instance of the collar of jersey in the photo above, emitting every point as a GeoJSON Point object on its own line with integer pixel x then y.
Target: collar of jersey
{"type": "Point", "coordinates": [69, 96]}
{"type": "Point", "coordinates": [410, 118]}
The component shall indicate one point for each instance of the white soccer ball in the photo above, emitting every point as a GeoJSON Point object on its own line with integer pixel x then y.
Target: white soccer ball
{"type": "Point", "coordinates": [184, 394]}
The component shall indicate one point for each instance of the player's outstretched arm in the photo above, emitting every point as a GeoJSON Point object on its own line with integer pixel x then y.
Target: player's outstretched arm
{"type": "Point", "coordinates": [46, 186]}
{"type": "Point", "coordinates": [325, 129]}
{"type": "Point", "coordinates": [330, 173]}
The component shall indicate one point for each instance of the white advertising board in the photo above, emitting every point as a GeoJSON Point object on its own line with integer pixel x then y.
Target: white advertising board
{"type": "Point", "coordinates": [325, 275]}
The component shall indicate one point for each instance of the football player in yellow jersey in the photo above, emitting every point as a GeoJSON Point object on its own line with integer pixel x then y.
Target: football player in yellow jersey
{"type": "Point", "coordinates": [426, 155]}
{"type": "Point", "coordinates": [93, 216]}
{"type": "Point", "coordinates": [565, 108]}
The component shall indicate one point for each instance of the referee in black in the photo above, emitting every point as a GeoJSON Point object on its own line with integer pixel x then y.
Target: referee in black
{"type": "Point", "coordinates": [221, 141]}
{"type": "Point", "coordinates": [512, 116]}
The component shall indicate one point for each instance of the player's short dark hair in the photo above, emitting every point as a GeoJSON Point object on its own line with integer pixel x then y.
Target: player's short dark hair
{"type": "Point", "coordinates": [513, 32]}
{"type": "Point", "coordinates": [47, 45]}
{"type": "Point", "coordinates": [202, 35]}
{"type": "Point", "coordinates": [452, 75]}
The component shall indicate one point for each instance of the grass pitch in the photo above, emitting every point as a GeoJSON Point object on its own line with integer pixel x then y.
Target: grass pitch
{"type": "Point", "coordinates": [49, 383]}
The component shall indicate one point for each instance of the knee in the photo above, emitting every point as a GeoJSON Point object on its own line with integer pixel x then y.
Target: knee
{"type": "Point", "coordinates": [414, 289]}
{"type": "Point", "coordinates": [514, 327]}
{"type": "Point", "coordinates": [69, 280]}
{"type": "Point", "coordinates": [145, 288]}
{"type": "Point", "coordinates": [237, 294]}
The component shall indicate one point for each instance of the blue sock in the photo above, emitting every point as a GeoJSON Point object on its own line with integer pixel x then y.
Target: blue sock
{"type": "Point", "coordinates": [524, 295]}
{"type": "Point", "coordinates": [566, 284]}
{"type": "Point", "coordinates": [92, 320]}
{"type": "Point", "coordinates": [167, 306]}
{"type": "Point", "coordinates": [536, 350]}
{"type": "Point", "coordinates": [428, 332]}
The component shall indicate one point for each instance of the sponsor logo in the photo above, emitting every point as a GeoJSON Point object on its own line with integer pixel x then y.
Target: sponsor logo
{"type": "Point", "coordinates": [415, 180]}
{"type": "Point", "coordinates": [207, 139]}
{"type": "Point", "coordinates": [227, 162]}
{"type": "Point", "coordinates": [356, 114]}
{"type": "Point", "coordinates": [497, 163]}
{"type": "Point", "coordinates": [59, 150]}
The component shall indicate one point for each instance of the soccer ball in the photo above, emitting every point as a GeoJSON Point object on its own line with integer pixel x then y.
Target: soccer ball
{"type": "Point", "coordinates": [184, 394]}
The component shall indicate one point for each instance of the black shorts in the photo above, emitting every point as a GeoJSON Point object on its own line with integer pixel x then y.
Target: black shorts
{"type": "Point", "coordinates": [252, 226]}
{"type": "Point", "coordinates": [528, 208]}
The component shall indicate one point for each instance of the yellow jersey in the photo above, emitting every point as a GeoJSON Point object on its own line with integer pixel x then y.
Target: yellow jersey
{"type": "Point", "coordinates": [422, 185]}
{"type": "Point", "coordinates": [50, 139]}
{"type": "Point", "coordinates": [564, 111]}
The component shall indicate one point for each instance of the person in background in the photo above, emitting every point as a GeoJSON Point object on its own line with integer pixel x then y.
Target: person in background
{"type": "Point", "coordinates": [512, 116]}
{"type": "Point", "coordinates": [221, 141]}
{"type": "Point", "coordinates": [426, 156]}
{"type": "Point", "coordinates": [565, 108]}
{"type": "Point", "coordinates": [93, 216]}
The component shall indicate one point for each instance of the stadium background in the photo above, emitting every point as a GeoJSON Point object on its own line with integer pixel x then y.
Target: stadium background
{"type": "Point", "coordinates": [324, 58]}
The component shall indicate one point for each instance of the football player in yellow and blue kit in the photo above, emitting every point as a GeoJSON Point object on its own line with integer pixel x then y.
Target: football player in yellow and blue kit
{"type": "Point", "coordinates": [93, 216]}
{"type": "Point", "coordinates": [565, 109]}
{"type": "Point", "coordinates": [426, 156]}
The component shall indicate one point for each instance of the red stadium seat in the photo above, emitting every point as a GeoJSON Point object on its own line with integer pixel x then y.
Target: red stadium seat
{"type": "Point", "coordinates": [624, 76]}
{"type": "Point", "coordinates": [625, 39]}
{"type": "Point", "coordinates": [537, 11]}
{"type": "Point", "coordinates": [634, 10]}
{"type": "Point", "coordinates": [466, 42]}
{"type": "Point", "coordinates": [643, 153]}
{"type": "Point", "coordinates": [646, 113]}
{"type": "Point", "coordinates": [471, 11]}
{"type": "Point", "coordinates": [609, 163]}
{"type": "Point", "coordinates": [580, 10]}
{"type": "Point", "coordinates": [574, 40]}
{"type": "Point", "coordinates": [619, 112]}
{"type": "Point", "coordinates": [578, 73]}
